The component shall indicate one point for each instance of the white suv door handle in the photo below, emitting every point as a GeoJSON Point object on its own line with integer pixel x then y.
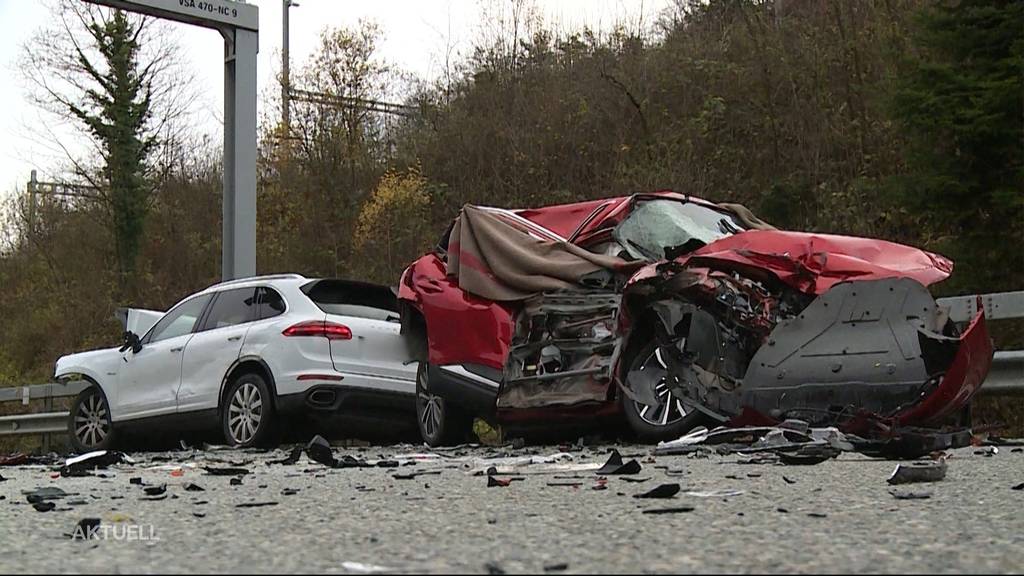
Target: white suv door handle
{"type": "Point", "coordinates": [234, 338]}
{"type": "Point", "coordinates": [176, 350]}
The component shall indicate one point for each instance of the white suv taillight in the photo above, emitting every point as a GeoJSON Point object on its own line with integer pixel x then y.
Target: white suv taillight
{"type": "Point", "coordinates": [329, 330]}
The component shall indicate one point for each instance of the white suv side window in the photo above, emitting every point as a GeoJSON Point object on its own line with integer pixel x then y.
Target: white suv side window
{"type": "Point", "coordinates": [179, 321]}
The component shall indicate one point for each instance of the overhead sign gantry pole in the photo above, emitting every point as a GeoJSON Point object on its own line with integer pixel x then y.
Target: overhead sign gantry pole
{"type": "Point", "coordinates": [238, 23]}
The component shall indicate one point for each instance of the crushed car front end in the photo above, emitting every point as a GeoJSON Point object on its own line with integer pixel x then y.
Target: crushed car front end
{"type": "Point", "coordinates": [830, 330]}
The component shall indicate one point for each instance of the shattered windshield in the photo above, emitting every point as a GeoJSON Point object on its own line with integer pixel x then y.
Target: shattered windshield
{"type": "Point", "coordinates": [655, 226]}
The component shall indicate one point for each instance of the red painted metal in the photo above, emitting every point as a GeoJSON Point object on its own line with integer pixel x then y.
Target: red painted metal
{"type": "Point", "coordinates": [963, 378]}
{"type": "Point", "coordinates": [464, 329]}
{"type": "Point", "coordinates": [813, 263]}
{"type": "Point", "coordinates": [461, 328]}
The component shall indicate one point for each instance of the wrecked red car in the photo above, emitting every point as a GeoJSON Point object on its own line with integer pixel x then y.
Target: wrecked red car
{"type": "Point", "coordinates": [671, 311]}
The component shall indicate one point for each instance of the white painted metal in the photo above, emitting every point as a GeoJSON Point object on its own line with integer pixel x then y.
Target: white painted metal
{"type": "Point", "coordinates": [207, 13]}
{"type": "Point", "coordinates": [187, 373]}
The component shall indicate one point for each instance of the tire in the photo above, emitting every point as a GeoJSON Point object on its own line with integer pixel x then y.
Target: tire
{"type": "Point", "coordinates": [667, 420]}
{"type": "Point", "coordinates": [247, 415]}
{"type": "Point", "coordinates": [89, 425]}
{"type": "Point", "coordinates": [440, 422]}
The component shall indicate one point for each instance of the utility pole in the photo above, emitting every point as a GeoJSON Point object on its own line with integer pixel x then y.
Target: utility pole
{"type": "Point", "coordinates": [286, 119]}
{"type": "Point", "coordinates": [32, 204]}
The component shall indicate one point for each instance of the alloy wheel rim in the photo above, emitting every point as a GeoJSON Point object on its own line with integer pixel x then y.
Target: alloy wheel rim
{"type": "Point", "coordinates": [245, 413]}
{"type": "Point", "coordinates": [91, 423]}
{"type": "Point", "coordinates": [669, 409]}
{"type": "Point", "coordinates": [431, 412]}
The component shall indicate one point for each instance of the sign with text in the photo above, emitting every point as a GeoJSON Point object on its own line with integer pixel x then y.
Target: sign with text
{"type": "Point", "coordinates": [208, 13]}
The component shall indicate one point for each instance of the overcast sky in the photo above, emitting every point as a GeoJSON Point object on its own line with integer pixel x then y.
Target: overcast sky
{"type": "Point", "coordinates": [416, 34]}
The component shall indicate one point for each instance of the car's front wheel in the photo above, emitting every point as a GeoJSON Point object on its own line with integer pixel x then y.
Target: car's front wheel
{"type": "Point", "coordinates": [440, 422]}
{"type": "Point", "coordinates": [247, 416]}
{"type": "Point", "coordinates": [89, 423]}
{"type": "Point", "coordinates": [666, 419]}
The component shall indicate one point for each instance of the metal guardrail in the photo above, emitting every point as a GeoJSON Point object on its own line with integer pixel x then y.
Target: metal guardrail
{"type": "Point", "coordinates": [1005, 378]}
{"type": "Point", "coordinates": [45, 423]}
{"type": "Point", "coordinates": [998, 306]}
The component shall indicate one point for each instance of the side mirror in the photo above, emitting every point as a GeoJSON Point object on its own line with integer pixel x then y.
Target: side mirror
{"type": "Point", "coordinates": [132, 340]}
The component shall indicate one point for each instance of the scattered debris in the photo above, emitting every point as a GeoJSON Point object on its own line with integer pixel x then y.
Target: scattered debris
{"type": "Point", "coordinates": [413, 475]}
{"type": "Point", "coordinates": [795, 442]}
{"type": "Point", "coordinates": [155, 490]}
{"type": "Point", "coordinates": [987, 451]}
{"type": "Point", "coordinates": [360, 568]}
{"type": "Point", "coordinates": [615, 466]}
{"type": "Point", "coordinates": [43, 494]}
{"type": "Point", "coordinates": [236, 481]}
{"type": "Point", "coordinates": [553, 464]}
{"type": "Point", "coordinates": [997, 441]}
{"type": "Point", "coordinates": [81, 465]}
{"type": "Point", "coordinates": [137, 480]}
{"type": "Point", "coordinates": [255, 504]}
{"type": "Point", "coordinates": [292, 458]}
{"type": "Point", "coordinates": [562, 567]}
{"type": "Point", "coordinates": [638, 480]}
{"type": "Point", "coordinates": [190, 487]}
{"type": "Point", "coordinates": [788, 481]}
{"type": "Point", "coordinates": [809, 455]}
{"type": "Point", "coordinates": [817, 515]}
{"type": "Point", "coordinates": [1018, 486]}
{"type": "Point", "coordinates": [14, 460]}
{"type": "Point", "coordinates": [663, 491]}
{"type": "Point", "coordinates": [918, 472]}
{"type": "Point", "coordinates": [677, 510]}
{"type": "Point", "coordinates": [319, 450]}
{"type": "Point", "coordinates": [715, 493]}
{"type": "Point", "coordinates": [44, 506]}
{"type": "Point", "coordinates": [225, 471]}
{"type": "Point", "coordinates": [493, 482]}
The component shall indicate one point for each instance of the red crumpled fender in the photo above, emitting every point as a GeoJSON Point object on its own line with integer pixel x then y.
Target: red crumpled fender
{"type": "Point", "coordinates": [461, 328]}
{"type": "Point", "coordinates": [813, 263]}
{"type": "Point", "coordinates": [963, 378]}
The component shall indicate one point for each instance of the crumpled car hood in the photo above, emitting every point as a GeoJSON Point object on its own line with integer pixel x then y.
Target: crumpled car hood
{"type": "Point", "coordinates": [813, 263]}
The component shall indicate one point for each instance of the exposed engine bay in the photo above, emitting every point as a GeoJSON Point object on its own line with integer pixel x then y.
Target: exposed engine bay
{"type": "Point", "coordinates": [563, 350]}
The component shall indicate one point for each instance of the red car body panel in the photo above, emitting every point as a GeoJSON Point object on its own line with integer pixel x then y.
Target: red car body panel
{"type": "Point", "coordinates": [465, 329]}
{"type": "Point", "coordinates": [813, 263]}
{"type": "Point", "coordinates": [963, 378]}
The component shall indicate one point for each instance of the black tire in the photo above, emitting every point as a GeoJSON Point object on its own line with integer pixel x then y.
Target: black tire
{"type": "Point", "coordinates": [247, 414]}
{"type": "Point", "coordinates": [89, 425]}
{"type": "Point", "coordinates": [668, 420]}
{"type": "Point", "coordinates": [440, 422]}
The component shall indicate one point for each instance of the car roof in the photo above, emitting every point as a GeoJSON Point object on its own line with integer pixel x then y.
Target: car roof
{"type": "Point", "coordinates": [271, 279]}
{"type": "Point", "coordinates": [566, 219]}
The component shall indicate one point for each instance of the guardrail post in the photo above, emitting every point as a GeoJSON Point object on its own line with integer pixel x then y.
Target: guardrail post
{"type": "Point", "coordinates": [48, 405]}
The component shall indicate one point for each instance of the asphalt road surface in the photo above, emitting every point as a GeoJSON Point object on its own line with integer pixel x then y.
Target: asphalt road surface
{"type": "Point", "coordinates": [836, 516]}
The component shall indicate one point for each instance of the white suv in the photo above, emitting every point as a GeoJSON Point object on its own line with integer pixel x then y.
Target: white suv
{"type": "Point", "coordinates": [241, 354]}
